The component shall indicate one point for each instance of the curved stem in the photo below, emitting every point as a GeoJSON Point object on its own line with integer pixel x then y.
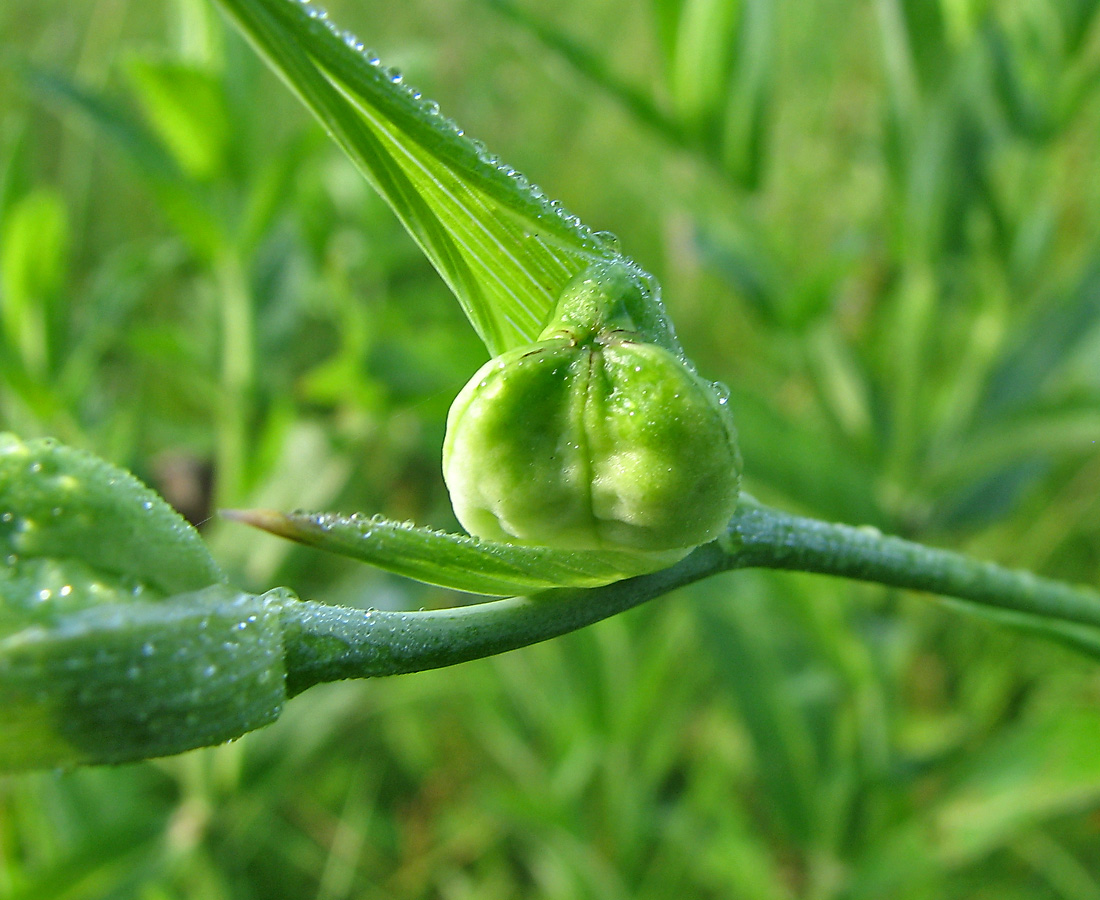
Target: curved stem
{"type": "Point", "coordinates": [328, 643]}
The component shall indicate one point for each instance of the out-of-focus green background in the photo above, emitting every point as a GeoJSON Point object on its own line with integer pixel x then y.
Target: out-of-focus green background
{"type": "Point", "coordinates": [878, 222]}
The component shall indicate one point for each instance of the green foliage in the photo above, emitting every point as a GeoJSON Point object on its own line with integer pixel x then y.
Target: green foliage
{"type": "Point", "coordinates": [455, 561]}
{"type": "Point", "coordinates": [118, 638]}
{"type": "Point", "coordinates": [503, 248]}
{"type": "Point", "coordinates": [66, 506]}
{"type": "Point", "coordinates": [32, 272]}
{"type": "Point", "coordinates": [898, 284]}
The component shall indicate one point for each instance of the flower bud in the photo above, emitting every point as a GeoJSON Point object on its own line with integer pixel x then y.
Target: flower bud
{"type": "Point", "coordinates": [119, 638]}
{"type": "Point", "coordinates": [599, 436]}
{"type": "Point", "coordinates": [123, 681]}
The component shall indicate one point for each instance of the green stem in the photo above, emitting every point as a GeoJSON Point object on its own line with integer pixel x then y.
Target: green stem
{"type": "Point", "coordinates": [327, 643]}
{"type": "Point", "coordinates": [767, 538]}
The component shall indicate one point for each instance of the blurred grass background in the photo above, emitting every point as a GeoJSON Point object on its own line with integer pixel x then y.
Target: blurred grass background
{"type": "Point", "coordinates": [877, 221]}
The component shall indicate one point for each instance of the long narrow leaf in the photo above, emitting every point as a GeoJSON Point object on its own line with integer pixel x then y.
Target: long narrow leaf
{"type": "Point", "coordinates": [502, 247]}
{"type": "Point", "coordinates": [454, 561]}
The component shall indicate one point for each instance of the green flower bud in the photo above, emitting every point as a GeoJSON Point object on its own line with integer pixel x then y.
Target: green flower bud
{"type": "Point", "coordinates": [121, 681]}
{"type": "Point", "coordinates": [599, 436]}
{"type": "Point", "coordinates": [119, 638]}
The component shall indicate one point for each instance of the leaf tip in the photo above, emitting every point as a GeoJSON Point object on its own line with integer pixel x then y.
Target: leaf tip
{"type": "Point", "coordinates": [269, 520]}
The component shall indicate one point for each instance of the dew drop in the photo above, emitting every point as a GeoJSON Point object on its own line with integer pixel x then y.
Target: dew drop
{"type": "Point", "coordinates": [609, 239]}
{"type": "Point", "coordinates": [722, 392]}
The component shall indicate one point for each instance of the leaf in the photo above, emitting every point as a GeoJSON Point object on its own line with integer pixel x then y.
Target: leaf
{"type": "Point", "coordinates": [1042, 345]}
{"type": "Point", "coordinates": [186, 107]}
{"type": "Point", "coordinates": [454, 561]}
{"type": "Point", "coordinates": [179, 198]}
{"type": "Point", "coordinates": [1080, 638]}
{"type": "Point", "coordinates": [592, 67]}
{"type": "Point", "coordinates": [706, 45]}
{"type": "Point", "coordinates": [1041, 770]}
{"type": "Point", "coordinates": [62, 505]}
{"type": "Point", "coordinates": [33, 266]}
{"type": "Point", "coordinates": [718, 61]}
{"type": "Point", "coordinates": [501, 246]}
{"type": "Point", "coordinates": [747, 643]}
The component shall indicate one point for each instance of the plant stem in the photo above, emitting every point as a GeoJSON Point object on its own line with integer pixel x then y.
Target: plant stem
{"type": "Point", "coordinates": [328, 643]}
{"type": "Point", "coordinates": [759, 536]}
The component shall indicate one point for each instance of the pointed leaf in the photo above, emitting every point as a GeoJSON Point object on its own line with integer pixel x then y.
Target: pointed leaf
{"type": "Point", "coordinates": [502, 247]}
{"type": "Point", "coordinates": [455, 561]}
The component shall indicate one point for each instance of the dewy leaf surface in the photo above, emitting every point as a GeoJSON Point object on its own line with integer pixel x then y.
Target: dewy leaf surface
{"type": "Point", "coordinates": [502, 247]}
{"type": "Point", "coordinates": [69, 519]}
{"type": "Point", "coordinates": [454, 561]}
{"type": "Point", "coordinates": [119, 637]}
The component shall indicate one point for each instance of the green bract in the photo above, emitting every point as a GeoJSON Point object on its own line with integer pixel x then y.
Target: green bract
{"type": "Point", "coordinates": [119, 638]}
{"type": "Point", "coordinates": [599, 436]}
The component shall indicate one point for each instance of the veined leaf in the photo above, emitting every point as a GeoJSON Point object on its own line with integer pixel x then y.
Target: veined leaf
{"type": "Point", "coordinates": [502, 247]}
{"type": "Point", "coordinates": [454, 561]}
